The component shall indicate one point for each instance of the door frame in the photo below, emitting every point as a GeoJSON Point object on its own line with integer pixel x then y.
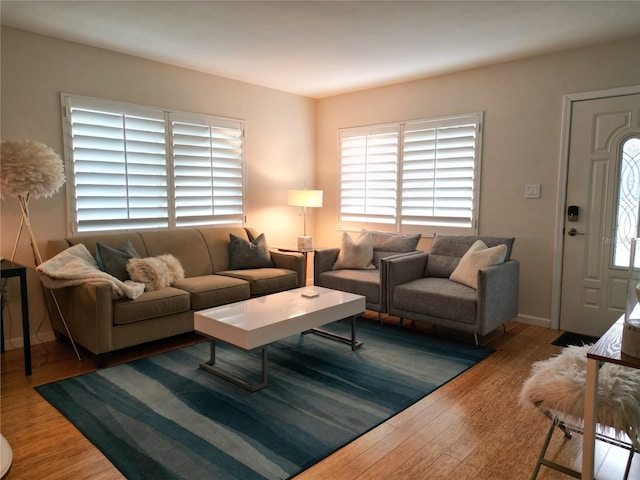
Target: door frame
{"type": "Point", "coordinates": [568, 100]}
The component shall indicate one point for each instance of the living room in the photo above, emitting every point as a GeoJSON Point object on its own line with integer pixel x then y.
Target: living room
{"type": "Point", "coordinates": [291, 140]}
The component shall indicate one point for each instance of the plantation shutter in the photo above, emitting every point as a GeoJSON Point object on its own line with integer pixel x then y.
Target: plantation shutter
{"type": "Point", "coordinates": [369, 169]}
{"type": "Point", "coordinates": [119, 166]}
{"type": "Point", "coordinates": [207, 170]}
{"type": "Point", "coordinates": [439, 173]}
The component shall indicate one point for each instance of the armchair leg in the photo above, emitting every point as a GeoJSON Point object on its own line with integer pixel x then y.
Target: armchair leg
{"type": "Point", "coordinates": [475, 336]}
{"type": "Point", "coordinates": [380, 318]}
{"type": "Point", "coordinates": [401, 321]}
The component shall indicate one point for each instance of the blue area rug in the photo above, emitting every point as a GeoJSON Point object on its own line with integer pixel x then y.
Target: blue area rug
{"type": "Point", "coordinates": [162, 417]}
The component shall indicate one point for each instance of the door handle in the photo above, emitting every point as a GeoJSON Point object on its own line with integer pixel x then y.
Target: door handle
{"type": "Point", "coordinates": [573, 232]}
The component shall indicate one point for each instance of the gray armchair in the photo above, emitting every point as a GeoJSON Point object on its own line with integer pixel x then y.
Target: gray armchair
{"type": "Point", "coordinates": [371, 283]}
{"type": "Point", "coordinates": [419, 287]}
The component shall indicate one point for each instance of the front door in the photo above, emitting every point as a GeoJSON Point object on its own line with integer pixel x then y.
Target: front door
{"type": "Point", "coordinates": [603, 192]}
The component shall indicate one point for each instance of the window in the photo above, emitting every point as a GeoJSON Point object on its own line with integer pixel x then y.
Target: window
{"type": "Point", "coordinates": [420, 176]}
{"type": "Point", "coordinates": [628, 205]}
{"type": "Point", "coordinates": [132, 167]}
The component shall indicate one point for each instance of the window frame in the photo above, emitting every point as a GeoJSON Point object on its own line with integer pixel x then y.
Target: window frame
{"type": "Point", "coordinates": [398, 226]}
{"type": "Point", "coordinates": [69, 101]}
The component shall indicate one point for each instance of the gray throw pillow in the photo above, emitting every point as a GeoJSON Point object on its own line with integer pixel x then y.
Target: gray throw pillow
{"type": "Point", "coordinates": [245, 255]}
{"type": "Point", "coordinates": [114, 260]}
{"type": "Point", "coordinates": [393, 242]}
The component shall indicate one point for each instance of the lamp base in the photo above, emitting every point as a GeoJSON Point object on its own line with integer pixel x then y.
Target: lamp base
{"type": "Point", "coordinates": [305, 243]}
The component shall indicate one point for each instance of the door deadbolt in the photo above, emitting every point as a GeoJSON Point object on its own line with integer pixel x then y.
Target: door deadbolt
{"type": "Point", "coordinates": [573, 232]}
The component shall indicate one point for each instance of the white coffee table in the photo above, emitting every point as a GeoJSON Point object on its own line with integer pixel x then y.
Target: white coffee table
{"type": "Point", "coordinates": [253, 324]}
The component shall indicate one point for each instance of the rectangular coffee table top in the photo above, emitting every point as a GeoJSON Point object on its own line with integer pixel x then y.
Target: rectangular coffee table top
{"type": "Point", "coordinates": [258, 321]}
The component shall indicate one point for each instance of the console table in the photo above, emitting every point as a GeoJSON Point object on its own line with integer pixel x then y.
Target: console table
{"type": "Point", "coordinates": [10, 269]}
{"type": "Point", "coordinates": [607, 349]}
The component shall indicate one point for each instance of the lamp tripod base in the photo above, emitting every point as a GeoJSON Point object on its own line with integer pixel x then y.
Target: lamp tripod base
{"type": "Point", "coordinates": [305, 243]}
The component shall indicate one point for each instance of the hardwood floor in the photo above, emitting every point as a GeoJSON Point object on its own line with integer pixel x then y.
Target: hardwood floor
{"type": "Point", "coordinates": [471, 428]}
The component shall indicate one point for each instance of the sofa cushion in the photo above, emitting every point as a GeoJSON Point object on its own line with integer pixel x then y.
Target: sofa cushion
{"type": "Point", "coordinates": [217, 240]}
{"type": "Point", "coordinates": [437, 297]}
{"type": "Point", "coordinates": [114, 260]}
{"type": "Point", "coordinates": [212, 290]}
{"type": "Point", "coordinates": [157, 303]}
{"type": "Point", "coordinates": [245, 254]}
{"type": "Point", "coordinates": [187, 245]}
{"type": "Point", "coordinates": [265, 280]}
{"type": "Point", "coordinates": [447, 250]}
{"type": "Point", "coordinates": [355, 254]}
{"type": "Point", "coordinates": [477, 257]}
{"type": "Point", "coordinates": [394, 242]}
{"type": "Point", "coordinates": [360, 282]}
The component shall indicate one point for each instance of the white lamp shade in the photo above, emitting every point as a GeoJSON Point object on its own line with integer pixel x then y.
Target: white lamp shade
{"type": "Point", "coordinates": [305, 198]}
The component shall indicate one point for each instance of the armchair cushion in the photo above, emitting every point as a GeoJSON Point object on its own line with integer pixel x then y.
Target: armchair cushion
{"type": "Point", "coordinates": [477, 257]}
{"type": "Point", "coordinates": [355, 255]}
{"type": "Point", "coordinates": [447, 250]}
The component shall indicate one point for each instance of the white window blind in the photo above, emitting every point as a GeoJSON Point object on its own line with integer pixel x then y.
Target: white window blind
{"type": "Point", "coordinates": [420, 176]}
{"type": "Point", "coordinates": [208, 171]}
{"type": "Point", "coordinates": [132, 167]}
{"type": "Point", "coordinates": [369, 166]}
{"type": "Point", "coordinates": [439, 173]}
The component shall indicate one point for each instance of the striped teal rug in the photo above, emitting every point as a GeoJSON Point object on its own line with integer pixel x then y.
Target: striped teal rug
{"type": "Point", "coordinates": [162, 417]}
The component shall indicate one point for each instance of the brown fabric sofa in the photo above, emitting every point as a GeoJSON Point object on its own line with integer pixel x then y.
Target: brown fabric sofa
{"type": "Point", "coordinates": [102, 324]}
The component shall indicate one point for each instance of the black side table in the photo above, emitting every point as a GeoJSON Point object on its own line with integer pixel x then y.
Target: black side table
{"type": "Point", "coordinates": [10, 269]}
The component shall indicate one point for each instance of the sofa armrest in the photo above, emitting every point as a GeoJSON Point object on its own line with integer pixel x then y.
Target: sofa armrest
{"type": "Point", "coordinates": [401, 269]}
{"type": "Point", "coordinates": [291, 261]}
{"type": "Point", "coordinates": [88, 312]}
{"type": "Point", "coordinates": [498, 289]}
{"type": "Point", "coordinates": [387, 283]}
{"type": "Point", "coordinates": [323, 261]}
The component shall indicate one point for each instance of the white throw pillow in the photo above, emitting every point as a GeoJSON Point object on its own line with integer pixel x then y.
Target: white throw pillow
{"type": "Point", "coordinates": [155, 272]}
{"type": "Point", "coordinates": [477, 257]}
{"type": "Point", "coordinates": [355, 255]}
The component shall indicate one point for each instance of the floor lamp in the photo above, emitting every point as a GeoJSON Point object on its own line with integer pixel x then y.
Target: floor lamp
{"type": "Point", "coordinates": [305, 199]}
{"type": "Point", "coordinates": [31, 169]}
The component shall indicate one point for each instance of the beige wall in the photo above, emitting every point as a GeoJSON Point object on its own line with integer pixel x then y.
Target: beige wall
{"type": "Point", "coordinates": [522, 103]}
{"type": "Point", "coordinates": [280, 129]}
{"type": "Point", "coordinates": [286, 134]}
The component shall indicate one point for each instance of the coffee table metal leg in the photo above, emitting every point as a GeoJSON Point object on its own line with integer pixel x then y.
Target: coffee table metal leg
{"type": "Point", "coordinates": [211, 367]}
{"type": "Point", "coordinates": [355, 344]}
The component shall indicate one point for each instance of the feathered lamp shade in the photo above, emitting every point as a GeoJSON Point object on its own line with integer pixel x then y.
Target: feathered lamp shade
{"type": "Point", "coordinates": [31, 169]}
{"type": "Point", "coordinates": [27, 169]}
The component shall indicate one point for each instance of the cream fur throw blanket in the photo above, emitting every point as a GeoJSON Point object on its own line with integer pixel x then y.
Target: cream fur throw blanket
{"type": "Point", "coordinates": [558, 385]}
{"type": "Point", "coordinates": [75, 266]}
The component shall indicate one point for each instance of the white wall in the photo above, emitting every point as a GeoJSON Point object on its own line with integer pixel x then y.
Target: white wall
{"type": "Point", "coordinates": [280, 130]}
{"type": "Point", "coordinates": [522, 105]}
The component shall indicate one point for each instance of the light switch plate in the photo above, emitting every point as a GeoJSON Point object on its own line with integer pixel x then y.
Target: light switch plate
{"type": "Point", "coordinates": [532, 190]}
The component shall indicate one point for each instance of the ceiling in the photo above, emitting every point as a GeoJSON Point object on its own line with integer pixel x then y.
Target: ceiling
{"type": "Point", "coordinates": [319, 48]}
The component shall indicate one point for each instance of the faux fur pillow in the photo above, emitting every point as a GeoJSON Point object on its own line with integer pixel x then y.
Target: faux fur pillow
{"type": "Point", "coordinates": [155, 272]}
{"type": "Point", "coordinates": [356, 255]}
{"type": "Point", "coordinates": [478, 256]}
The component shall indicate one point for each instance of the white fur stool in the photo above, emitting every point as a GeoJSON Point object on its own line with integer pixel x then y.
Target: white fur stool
{"type": "Point", "coordinates": [556, 387]}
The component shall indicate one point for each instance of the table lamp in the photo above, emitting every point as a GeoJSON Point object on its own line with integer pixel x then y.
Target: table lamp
{"type": "Point", "coordinates": [305, 199]}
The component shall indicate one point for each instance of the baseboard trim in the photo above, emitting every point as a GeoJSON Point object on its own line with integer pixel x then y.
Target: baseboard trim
{"type": "Point", "coordinates": [535, 321]}
{"type": "Point", "coordinates": [16, 342]}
